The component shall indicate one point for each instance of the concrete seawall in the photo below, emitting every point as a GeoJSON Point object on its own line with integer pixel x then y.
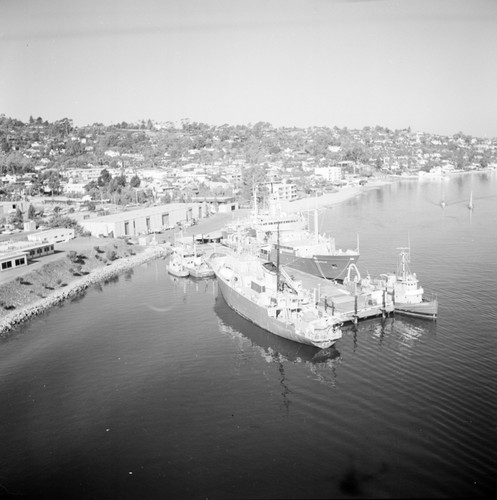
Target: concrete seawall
{"type": "Point", "coordinates": [74, 288]}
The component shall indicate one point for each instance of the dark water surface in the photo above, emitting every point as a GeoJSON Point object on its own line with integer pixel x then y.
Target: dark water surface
{"type": "Point", "coordinates": [151, 387]}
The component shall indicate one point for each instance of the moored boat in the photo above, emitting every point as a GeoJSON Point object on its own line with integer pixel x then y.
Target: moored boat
{"type": "Point", "coordinates": [199, 268]}
{"type": "Point", "coordinates": [186, 259]}
{"type": "Point", "coordinates": [176, 267]}
{"type": "Point", "coordinates": [271, 347]}
{"type": "Point", "coordinates": [298, 248]}
{"type": "Point", "coordinates": [195, 263]}
{"type": "Point", "coordinates": [408, 296]}
{"type": "Point", "coordinates": [316, 255]}
{"type": "Point", "coordinates": [258, 292]}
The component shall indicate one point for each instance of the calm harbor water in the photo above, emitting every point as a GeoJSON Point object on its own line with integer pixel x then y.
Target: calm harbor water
{"type": "Point", "coordinates": [151, 387]}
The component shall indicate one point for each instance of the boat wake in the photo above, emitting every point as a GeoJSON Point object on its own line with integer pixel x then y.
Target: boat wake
{"type": "Point", "coordinates": [158, 309]}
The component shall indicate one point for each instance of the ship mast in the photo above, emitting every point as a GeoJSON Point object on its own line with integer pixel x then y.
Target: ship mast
{"type": "Point", "coordinates": [316, 220]}
{"type": "Point", "coordinates": [316, 223]}
{"type": "Point", "coordinates": [278, 257]}
{"type": "Point", "coordinates": [255, 201]}
{"type": "Point", "coordinates": [405, 257]}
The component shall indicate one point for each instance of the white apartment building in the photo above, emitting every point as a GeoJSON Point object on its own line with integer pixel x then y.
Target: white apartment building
{"type": "Point", "coordinates": [330, 174]}
{"type": "Point", "coordinates": [283, 191]}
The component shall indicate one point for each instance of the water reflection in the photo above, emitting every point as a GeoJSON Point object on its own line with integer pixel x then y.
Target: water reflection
{"type": "Point", "coordinates": [407, 331]}
{"type": "Point", "coordinates": [274, 349]}
{"type": "Point", "coordinates": [205, 285]}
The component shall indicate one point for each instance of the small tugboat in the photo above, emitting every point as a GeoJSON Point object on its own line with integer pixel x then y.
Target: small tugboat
{"type": "Point", "coordinates": [408, 296]}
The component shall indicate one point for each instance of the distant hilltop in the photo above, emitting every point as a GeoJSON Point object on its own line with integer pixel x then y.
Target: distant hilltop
{"type": "Point", "coordinates": [165, 142]}
{"type": "Point", "coordinates": [150, 161]}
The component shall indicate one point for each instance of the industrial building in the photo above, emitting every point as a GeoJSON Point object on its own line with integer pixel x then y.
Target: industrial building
{"type": "Point", "coordinates": [218, 204]}
{"type": "Point", "coordinates": [15, 254]}
{"type": "Point", "coordinates": [143, 221]}
{"type": "Point", "coordinates": [57, 235]}
{"type": "Point", "coordinates": [14, 259]}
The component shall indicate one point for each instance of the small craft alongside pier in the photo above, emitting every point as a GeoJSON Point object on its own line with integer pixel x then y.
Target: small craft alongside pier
{"type": "Point", "coordinates": [401, 289]}
{"type": "Point", "coordinates": [361, 298]}
{"type": "Point", "coordinates": [409, 296]}
{"type": "Point", "coordinates": [186, 260]}
{"type": "Point", "coordinates": [197, 266]}
{"type": "Point", "coordinates": [176, 267]}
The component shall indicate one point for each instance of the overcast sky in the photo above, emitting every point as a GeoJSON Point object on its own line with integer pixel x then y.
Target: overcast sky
{"type": "Point", "coordinates": [427, 64]}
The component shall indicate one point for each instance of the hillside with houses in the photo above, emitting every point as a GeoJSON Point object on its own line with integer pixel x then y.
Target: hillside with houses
{"type": "Point", "coordinates": [150, 162]}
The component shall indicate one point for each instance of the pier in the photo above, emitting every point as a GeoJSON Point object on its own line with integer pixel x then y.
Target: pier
{"type": "Point", "coordinates": [351, 302]}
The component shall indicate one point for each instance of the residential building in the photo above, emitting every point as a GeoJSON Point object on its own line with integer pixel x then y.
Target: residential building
{"type": "Point", "coordinates": [330, 174]}
{"type": "Point", "coordinates": [283, 191]}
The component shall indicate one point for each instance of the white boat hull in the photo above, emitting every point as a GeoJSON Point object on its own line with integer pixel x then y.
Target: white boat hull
{"type": "Point", "coordinates": [175, 268]}
{"type": "Point", "coordinates": [204, 272]}
{"type": "Point", "coordinates": [425, 309]}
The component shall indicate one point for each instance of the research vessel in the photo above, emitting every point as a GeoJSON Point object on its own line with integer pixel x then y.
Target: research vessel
{"type": "Point", "coordinates": [264, 294]}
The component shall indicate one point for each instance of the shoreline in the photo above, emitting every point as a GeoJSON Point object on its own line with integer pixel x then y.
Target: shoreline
{"type": "Point", "coordinates": [330, 199]}
{"type": "Point", "coordinates": [76, 287]}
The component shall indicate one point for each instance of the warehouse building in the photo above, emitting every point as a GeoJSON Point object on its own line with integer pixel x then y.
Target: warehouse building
{"type": "Point", "coordinates": [57, 235]}
{"type": "Point", "coordinates": [13, 259]}
{"type": "Point", "coordinates": [143, 221]}
{"type": "Point", "coordinates": [15, 254]}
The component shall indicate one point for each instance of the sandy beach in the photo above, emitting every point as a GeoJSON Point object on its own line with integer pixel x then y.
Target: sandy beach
{"type": "Point", "coordinates": [329, 199]}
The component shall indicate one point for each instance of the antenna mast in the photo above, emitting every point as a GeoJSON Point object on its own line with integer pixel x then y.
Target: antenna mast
{"type": "Point", "coordinates": [278, 257]}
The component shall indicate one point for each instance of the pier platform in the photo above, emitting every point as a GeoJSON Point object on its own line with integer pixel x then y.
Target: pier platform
{"type": "Point", "coordinates": [351, 303]}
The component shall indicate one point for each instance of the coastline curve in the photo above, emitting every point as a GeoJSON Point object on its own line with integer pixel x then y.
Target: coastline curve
{"type": "Point", "coordinates": [15, 318]}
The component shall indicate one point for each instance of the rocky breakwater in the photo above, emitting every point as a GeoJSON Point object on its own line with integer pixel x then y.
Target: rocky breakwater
{"type": "Point", "coordinates": [76, 287]}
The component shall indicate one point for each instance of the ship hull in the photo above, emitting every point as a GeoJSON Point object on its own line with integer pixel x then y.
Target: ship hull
{"type": "Point", "coordinates": [332, 267]}
{"type": "Point", "coordinates": [178, 272]}
{"type": "Point", "coordinates": [425, 309]}
{"type": "Point", "coordinates": [259, 316]}
{"type": "Point", "coordinates": [200, 273]}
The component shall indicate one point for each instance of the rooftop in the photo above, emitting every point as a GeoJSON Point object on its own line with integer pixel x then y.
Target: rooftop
{"type": "Point", "coordinates": [142, 212]}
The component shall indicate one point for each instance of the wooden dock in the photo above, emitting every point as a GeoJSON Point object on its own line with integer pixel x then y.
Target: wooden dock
{"type": "Point", "coordinates": [349, 302]}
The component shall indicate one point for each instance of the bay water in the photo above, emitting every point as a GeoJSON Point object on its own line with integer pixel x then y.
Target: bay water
{"type": "Point", "coordinates": [149, 386]}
